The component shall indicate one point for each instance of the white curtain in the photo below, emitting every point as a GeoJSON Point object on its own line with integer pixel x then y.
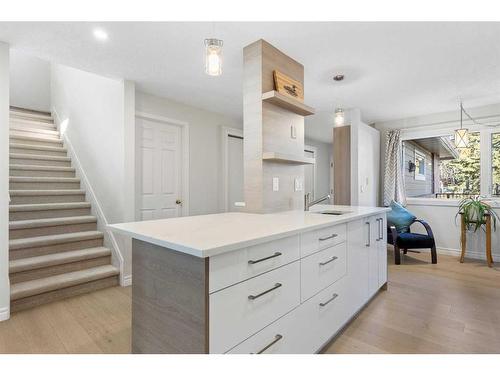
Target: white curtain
{"type": "Point", "coordinates": [394, 189]}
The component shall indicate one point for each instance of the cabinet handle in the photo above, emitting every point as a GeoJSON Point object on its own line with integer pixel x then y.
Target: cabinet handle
{"type": "Point", "coordinates": [369, 243]}
{"type": "Point", "coordinates": [328, 261]}
{"type": "Point", "coordinates": [276, 286]}
{"type": "Point", "coordinates": [323, 304]}
{"type": "Point", "coordinates": [378, 229]}
{"type": "Point", "coordinates": [381, 226]}
{"type": "Point", "coordinates": [328, 237]}
{"type": "Point", "coordinates": [276, 339]}
{"type": "Point", "coordinates": [276, 254]}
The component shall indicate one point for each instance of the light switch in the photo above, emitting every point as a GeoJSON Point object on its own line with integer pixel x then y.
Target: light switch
{"type": "Point", "coordinates": [298, 184]}
{"type": "Point", "coordinates": [276, 183]}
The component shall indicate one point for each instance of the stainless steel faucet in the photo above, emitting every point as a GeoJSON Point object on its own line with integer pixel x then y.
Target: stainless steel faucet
{"type": "Point", "coordinates": [308, 203]}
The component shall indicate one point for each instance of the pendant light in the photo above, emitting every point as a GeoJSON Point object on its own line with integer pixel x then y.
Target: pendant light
{"type": "Point", "coordinates": [462, 134]}
{"type": "Point", "coordinates": [213, 57]}
{"type": "Point", "coordinates": [339, 117]}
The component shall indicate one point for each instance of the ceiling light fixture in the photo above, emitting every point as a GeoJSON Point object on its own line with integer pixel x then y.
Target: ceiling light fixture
{"type": "Point", "coordinates": [338, 77]}
{"type": "Point", "coordinates": [462, 134]}
{"type": "Point", "coordinates": [100, 34]}
{"type": "Point", "coordinates": [339, 117]}
{"type": "Point", "coordinates": [213, 57]}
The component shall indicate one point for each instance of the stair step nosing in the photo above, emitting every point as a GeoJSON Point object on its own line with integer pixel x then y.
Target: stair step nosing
{"type": "Point", "coordinates": [29, 167]}
{"type": "Point", "coordinates": [34, 138]}
{"type": "Point", "coordinates": [66, 280]}
{"type": "Point", "coordinates": [54, 239]}
{"type": "Point", "coordinates": [43, 261]}
{"type": "Point", "coordinates": [42, 179]}
{"type": "Point", "coordinates": [51, 222]}
{"type": "Point", "coordinates": [36, 147]}
{"type": "Point", "coordinates": [39, 157]}
{"type": "Point", "coordinates": [35, 193]}
{"type": "Point", "coordinates": [48, 206]}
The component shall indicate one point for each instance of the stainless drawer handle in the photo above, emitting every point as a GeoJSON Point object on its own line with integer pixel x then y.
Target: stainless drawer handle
{"type": "Point", "coordinates": [276, 286]}
{"type": "Point", "coordinates": [328, 237]}
{"type": "Point", "coordinates": [328, 261]}
{"type": "Point", "coordinates": [276, 254]}
{"type": "Point", "coordinates": [322, 304]}
{"type": "Point", "coordinates": [276, 339]}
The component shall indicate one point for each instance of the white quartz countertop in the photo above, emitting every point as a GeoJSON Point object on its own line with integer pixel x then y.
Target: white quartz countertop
{"type": "Point", "coordinates": [209, 235]}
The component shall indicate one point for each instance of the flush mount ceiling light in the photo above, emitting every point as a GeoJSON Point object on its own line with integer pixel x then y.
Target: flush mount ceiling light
{"type": "Point", "coordinates": [462, 134]}
{"type": "Point", "coordinates": [338, 77]}
{"type": "Point", "coordinates": [100, 35]}
{"type": "Point", "coordinates": [213, 57]}
{"type": "Point", "coordinates": [339, 117]}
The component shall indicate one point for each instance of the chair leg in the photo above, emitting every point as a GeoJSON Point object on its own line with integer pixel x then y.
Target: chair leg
{"type": "Point", "coordinates": [434, 255]}
{"type": "Point", "coordinates": [405, 251]}
{"type": "Point", "coordinates": [397, 255]}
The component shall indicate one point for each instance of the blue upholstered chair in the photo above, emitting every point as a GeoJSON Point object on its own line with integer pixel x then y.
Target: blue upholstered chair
{"type": "Point", "coordinates": [399, 221]}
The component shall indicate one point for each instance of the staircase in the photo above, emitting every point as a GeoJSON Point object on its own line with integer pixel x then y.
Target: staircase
{"type": "Point", "coordinates": [55, 249]}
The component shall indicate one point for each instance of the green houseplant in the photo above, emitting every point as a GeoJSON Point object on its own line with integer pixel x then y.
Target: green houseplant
{"type": "Point", "coordinates": [474, 209]}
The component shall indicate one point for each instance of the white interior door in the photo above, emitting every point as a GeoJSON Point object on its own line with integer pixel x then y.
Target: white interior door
{"type": "Point", "coordinates": [309, 183]}
{"type": "Point", "coordinates": [160, 169]}
{"type": "Point", "coordinates": [234, 171]}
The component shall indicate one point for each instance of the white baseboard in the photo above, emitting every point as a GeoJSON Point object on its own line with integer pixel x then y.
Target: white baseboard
{"type": "Point", "coordinates": [481, 255]}
{"type": "Point", "coordinates": [126, 281]}
{"type": "Point", "coordinates": [4, 313]}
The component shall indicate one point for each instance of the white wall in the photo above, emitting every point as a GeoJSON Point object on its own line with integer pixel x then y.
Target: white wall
{"type": "Point", "coordinates": [97, 116]}
{"type": "Point", "coordinates": [205, 148]}
{"type": "Point", "coordinates": [4, 182]}
{"type": "Point", "coordinates": [29, 82]}
{"type": "Point", "coordinates": [323, 153]}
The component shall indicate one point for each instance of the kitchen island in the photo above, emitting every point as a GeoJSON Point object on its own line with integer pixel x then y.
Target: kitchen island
{"type": "Point", "coordinates": [253, 283]}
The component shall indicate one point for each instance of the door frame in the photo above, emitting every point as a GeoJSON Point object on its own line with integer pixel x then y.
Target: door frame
{"type": "Point", "coordinates": [314, 150]}
{"type": "Point", "coordinates": [225, 132]}
{"type": "Point", "coordinates": [184, 126]}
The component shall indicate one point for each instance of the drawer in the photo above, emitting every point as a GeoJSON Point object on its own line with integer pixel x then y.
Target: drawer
{"type": "Point", "coordinates": [243, 309]}
{"type": "Point", "coordinates": [230, 268]}
{"type": "Point", "coordinates": [322, 269]}
{"type": "Point", "coordinates": [311, 242]}
{"type": "Point", "coordinates": [305, 329]}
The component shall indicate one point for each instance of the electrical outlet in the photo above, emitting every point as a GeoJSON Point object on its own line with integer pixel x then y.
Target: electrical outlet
{"type": "Point", "coordinates": [276, 183]}
{"type": "Point", "coordinates": [298, 184]}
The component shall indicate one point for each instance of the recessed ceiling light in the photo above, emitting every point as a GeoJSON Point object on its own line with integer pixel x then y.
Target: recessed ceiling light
{"type": "Point", "coordinates": [338, 77]}
{"type": "Point", "coordinates": [100, 34]}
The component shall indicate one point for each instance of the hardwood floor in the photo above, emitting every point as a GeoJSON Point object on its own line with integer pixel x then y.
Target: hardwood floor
{"type": "Point", "coordinates": [444, 308]}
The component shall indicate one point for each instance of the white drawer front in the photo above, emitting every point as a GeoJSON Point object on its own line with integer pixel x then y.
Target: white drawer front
{"type": "Point", "coordinates": [322, 269]}
{"type": "Point", "coordinates": [230, 268]}
{"type": "Point", "coordinates": [305, 329]}
{"type": "Point", "coordinates": [243, 309]}
{"type": "Point", "coordinates": [313, 241]}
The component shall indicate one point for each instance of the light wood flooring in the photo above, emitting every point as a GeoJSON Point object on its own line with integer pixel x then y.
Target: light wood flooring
{"type": "Point", "coordinates": [444, 308]}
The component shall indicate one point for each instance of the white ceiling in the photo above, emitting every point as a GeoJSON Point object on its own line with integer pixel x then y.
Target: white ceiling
{"type": "Point", "coordinates": [393, 70]}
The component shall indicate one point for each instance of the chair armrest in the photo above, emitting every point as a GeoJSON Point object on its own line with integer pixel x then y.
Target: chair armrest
{"type": "Point", "coordinates": [426, 226]}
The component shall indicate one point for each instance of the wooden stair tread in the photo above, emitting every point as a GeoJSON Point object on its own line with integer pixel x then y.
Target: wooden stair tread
{"type": "Point", "coordinates": [28, 167]}
{"type": "Point", "coordinates": [43, 179]}
{"type": "Point", "coordinates": [38, 148]}
{"type": "Point", "coordinates": [28, 129]}
{"type": "Point", "coordinates": [48, 206]}
{"type": "Point", "coordinates": [46, 192]}
{"type": "Point", "coordinates": [50, 222]}
{"type": "Point", "coordinates": [53, 239]}
{"type": "Point", "coordinates": [15, 137]}
{"type": "Point", "coordinates": [32, 263]}
{"type": "Point", "coordinates": [38, 157]}
{"type": "Point", "coordinates": [65, 280]}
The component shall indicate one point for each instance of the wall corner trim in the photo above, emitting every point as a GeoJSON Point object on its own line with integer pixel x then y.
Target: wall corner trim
{"type": "Point", "coordinates": [4, 313]}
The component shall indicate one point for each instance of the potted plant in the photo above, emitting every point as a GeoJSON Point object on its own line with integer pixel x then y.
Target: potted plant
{"type": "Point", "coordinates": [474, 210]}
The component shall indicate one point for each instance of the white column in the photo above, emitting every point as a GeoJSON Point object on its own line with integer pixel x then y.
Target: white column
{"type": "Point", "coordinates": [4, 183]}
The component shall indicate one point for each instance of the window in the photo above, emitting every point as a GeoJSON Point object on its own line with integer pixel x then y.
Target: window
{"type": "Point", "coordinates": [419, 166]}
{"type": "Point", "coordinates": [460, 176]}
{"type": "Point", "coordinates": [495, 164]}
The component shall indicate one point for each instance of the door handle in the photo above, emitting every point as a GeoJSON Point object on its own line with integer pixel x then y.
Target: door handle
{"type": "Point", "coordinates": [178, 201]}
